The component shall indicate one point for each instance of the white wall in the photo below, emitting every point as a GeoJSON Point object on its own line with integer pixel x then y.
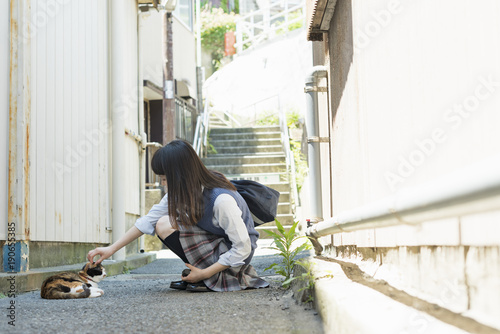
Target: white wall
{"type": "Point", "coordinates": [132, 185]}
{"type": "Point", "coordinates": [409, 73]}
{"type": "Point", "coordinates": [259, 80]}
{"type": "Point", "coordinates": [4, 113]}
{"type": "Point", "coordinates": [151, 41]}
{"type": "Point", "coordinates": [184, 54]}
{"type": "Point", "coordinates": [183, 46]}
{"type": "Point", "coordinates": [420, 101]}
{"type": "Point", "coordinates": [69, 186]}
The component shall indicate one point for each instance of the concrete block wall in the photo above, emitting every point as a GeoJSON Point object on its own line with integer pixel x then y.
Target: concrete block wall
{"type": "Point", "coordinates": [453, 262]}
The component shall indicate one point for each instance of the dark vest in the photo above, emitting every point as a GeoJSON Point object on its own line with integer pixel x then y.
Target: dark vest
{"type": "Point", "coordinates": [209, 197]}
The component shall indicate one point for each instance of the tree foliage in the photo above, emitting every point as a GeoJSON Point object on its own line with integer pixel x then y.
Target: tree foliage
{"type": "Point", "coordinates": [214, 25]}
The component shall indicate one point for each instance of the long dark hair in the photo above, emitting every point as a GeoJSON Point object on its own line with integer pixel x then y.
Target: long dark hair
{"type": "Point", "coordinates": [186, 175]}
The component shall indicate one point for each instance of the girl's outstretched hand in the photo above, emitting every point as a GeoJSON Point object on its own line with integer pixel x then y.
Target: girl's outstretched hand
{"type": "Point", "coordinates": [104, 253]}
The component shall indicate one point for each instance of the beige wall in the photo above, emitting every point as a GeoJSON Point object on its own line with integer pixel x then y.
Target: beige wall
{"type": "Point", "coordinates": [414, 97]}
{"type": "Point", "coordinates": [69, 190]}
{"type": "Point", "coordinates": [183, 47]}
{"type": "Point", "coordinates": [415, 94]}
{"type": "Point", "coordinates": [4, 116]}
{"type": "Point", "coordinates": [64, 127]}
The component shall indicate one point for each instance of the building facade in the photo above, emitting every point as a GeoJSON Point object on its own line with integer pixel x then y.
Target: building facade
{"type": "Point", "coordinates": [74, 130]}
{"type": "Point", "coordinates": [408, 94]}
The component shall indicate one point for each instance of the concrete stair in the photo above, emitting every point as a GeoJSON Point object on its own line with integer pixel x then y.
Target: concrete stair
{"type": "Point", "coordinates": [254, 154]}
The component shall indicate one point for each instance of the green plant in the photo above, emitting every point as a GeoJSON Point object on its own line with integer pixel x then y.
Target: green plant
{"type": "Point", "coordinates": [283, 243]}
{"type": "Point", "coordinates": [298, 24]}
{"type": "Point", "coordinates": [268, 117]}
{"type": "Point", "coordinates": [214, 25]}
{"type": "Point", "coordinates": [308, 278]}
{"type": "Point", "coordinates": [293, 119]}
{"type": "Point", "coordinates": [301, 166]}
{"type": "Point", "coordinates": [291, 27]}
{"type": "Point", "coordinates": [211, 149]}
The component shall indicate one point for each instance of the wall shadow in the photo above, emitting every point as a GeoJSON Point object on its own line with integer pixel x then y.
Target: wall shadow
{"type": "Point", "coordinates": [340, 43]}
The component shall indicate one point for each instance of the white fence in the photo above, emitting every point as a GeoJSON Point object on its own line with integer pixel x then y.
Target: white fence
{"type": "Point", "coordinates": [275, 20]}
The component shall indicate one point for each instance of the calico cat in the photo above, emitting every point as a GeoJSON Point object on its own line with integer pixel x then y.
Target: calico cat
{"type": "Point", "coordinates": [70, 285]}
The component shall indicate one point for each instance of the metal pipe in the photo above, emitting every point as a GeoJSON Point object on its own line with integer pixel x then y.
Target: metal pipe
{"type": "Point", "coordinates": [168, 80]}
{"type": "Point", "coordinates": [118, 15]}
{"type": "Point", "coordinates": [143, 137]}
{"type": "Point", "coordinates": [313, 149]}
{"type": "Point", "coordinates": [199, 70]}
{"type": "Point", "coordinates": [475, 188]}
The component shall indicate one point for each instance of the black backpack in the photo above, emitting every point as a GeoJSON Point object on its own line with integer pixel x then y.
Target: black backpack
{"type": "Point", "coordinates": [261, 200]}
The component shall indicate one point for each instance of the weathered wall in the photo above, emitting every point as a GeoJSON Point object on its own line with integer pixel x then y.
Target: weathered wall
{"type": "Point", "coordinates": [414, 96]}
{"type": "Point", "coordinates": [132, 185]}
{"type": "Point", "coordinates": [414, 101]}
{"type": "Point", "coordinates": [4, 115]}
{"type": "Point", "coordinates": [183, 48]}
{"type": "Point", "coordinates": [69, 189]}
{"type": "Point", "coordinates": [65, 62]}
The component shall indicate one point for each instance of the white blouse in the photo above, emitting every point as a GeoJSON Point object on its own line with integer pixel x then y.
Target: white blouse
{"type": "Point", "coordinates": [227, 215]}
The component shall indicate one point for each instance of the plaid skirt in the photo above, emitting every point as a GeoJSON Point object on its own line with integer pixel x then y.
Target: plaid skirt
{"type": "Point", "coordinates": [203, 249]}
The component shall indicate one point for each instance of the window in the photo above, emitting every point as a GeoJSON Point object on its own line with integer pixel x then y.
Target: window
{"type": "Point", "coordinates": [184, 12]}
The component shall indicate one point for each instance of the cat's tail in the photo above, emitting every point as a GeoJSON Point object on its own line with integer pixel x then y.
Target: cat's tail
{"type": "Point", "coordinates": [66, 291]}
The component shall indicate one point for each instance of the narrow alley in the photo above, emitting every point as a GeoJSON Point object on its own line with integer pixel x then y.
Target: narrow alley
{"type": "Point", "coordinates": [142, 302]}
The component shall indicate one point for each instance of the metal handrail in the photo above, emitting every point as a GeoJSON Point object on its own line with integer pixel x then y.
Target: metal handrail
{"type": "Point", "coordinates": [232, 118]}
{"type": "Point", "coordinates": [200, 141]}
{"type": "Point", "coordinates": [290, 161]}
{"type": "Point", "coordinates": [246, 31]}
{"type": "Point", "coordinates": [233, 121]}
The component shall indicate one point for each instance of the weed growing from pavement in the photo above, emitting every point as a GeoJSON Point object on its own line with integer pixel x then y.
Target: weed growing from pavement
{"type": "Point", "coordinates": [283, 241]}
{"type": "Point", "coordinates": [308, 278]}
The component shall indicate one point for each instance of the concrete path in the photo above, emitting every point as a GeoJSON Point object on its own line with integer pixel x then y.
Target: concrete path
{"type": "Point", "coordinates": [141, 302]}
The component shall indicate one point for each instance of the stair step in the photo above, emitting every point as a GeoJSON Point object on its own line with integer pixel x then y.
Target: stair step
{"type": "Point", "coordinates": [254, 154]}
{"type": "Point", "coordinates": [256, 129]}
{"type": "Point", "coordinates": [243, 154]}
{"type": "Point", "coordinates": [285, 196]}
{"type": "Point", "coordinates": [245, 135]}
{"type": "Point", "coordinates": [272, 227]}
{"type": "Point", "coordinates": [231, 159]}
{"type": "Point", "coordinates": [281, 186]}
{"type": "Point", "coordinates": [249, 149]}
{"type": "Point", "coordinates": [244, 142]}
{"type": "Point", "coordinates": [242, 169]}
{"type": "Point", "coordinates": [260, 177]}
{"type": "Point", "coordinates": [284, 207]}
{"type": "Point", "coordinates": [284, 219]}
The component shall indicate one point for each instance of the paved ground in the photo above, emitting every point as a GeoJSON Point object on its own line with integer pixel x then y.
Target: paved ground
{"type": "Point", "coordinates": [141, 302]}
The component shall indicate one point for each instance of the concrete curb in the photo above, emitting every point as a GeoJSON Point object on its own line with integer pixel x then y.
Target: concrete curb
{"type": "Point", "coordinates": [347, 307]}
{"type": "Point", "coordinates": [33, 279]}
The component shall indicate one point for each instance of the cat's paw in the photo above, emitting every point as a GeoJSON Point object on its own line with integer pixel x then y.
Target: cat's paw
{"type": "Point", "coordinates": [96, 292]}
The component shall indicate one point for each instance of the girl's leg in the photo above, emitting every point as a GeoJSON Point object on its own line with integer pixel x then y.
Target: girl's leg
{"type": "Point", "coordinates": [170, 237]}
